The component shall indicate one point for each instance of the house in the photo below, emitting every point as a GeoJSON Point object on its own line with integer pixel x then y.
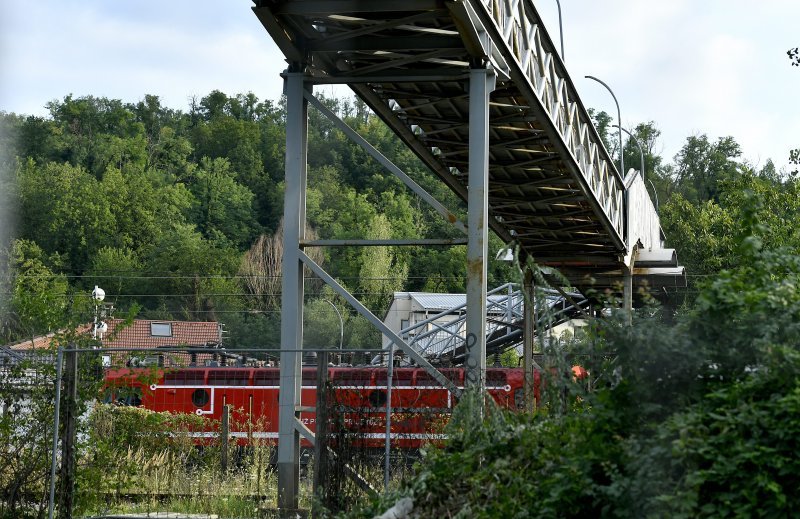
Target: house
{"type": "Point", "coordinates": [166, 338]}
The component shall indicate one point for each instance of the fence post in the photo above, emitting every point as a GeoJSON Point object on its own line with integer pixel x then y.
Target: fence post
{"type": "Point", "coordinates": [529, 332]}
{"type": "Point", "coordinates": [56, 416]}
{"type": "Point", "coordinates": [67, 494]}
{"type": "Point", "coordinates": [321, 430]}
{"type": "Point", "coordinates": [226, 415]}
{"type": "Point", "coordinates": [388, 445]}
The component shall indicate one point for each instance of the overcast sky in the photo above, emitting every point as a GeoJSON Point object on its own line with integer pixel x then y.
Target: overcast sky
{"type": "Point", "coordinates": [717, 67]}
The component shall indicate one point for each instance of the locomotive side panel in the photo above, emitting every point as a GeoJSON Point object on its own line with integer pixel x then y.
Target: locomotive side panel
{"type": "Point", "coordinates": [420, 407]}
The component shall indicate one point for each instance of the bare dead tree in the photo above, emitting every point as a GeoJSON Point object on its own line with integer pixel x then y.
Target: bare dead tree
{"type": "Point", "coordinates": [261, 268]}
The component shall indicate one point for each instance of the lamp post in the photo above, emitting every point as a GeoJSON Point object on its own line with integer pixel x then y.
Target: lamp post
{"type": "Point", "coordinates": [98, 294]}
{"type": "Point", "coordinates": [636, 141]}
{"type": "Point", "coordinates": [641, 155]}
{"type": "Point", "coordinates": [655, 194]}
{"type": "Point", "coordinates": [560, 30]}
{"type": "Point", "coordinates": [619, 123]}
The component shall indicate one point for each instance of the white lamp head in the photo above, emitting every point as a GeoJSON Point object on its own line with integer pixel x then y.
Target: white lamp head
{"type": "Point", "coordinates": [98, 294]}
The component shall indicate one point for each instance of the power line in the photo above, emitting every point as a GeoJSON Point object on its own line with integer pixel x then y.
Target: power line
{"type": "Point", "coordinates": [215, 276]}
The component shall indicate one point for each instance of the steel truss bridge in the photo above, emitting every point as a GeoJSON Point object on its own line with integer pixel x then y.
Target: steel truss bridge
{"type": "Point", "coordinates": [476, 90]}
{"type": "Point", "coordinates": [440, 337]}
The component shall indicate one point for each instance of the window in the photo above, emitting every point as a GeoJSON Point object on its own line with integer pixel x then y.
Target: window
{"type": "Point", "coordinates": [161, 329]}
{"type": "Point", "coordinates": [200, 397]}
{"type": "Point", "coordinates": [403, 326]}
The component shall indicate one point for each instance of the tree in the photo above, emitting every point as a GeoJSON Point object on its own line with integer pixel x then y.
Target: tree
{"type": "Point", "coordinates": [382, 271]}
{"type": "Point", "coordinates": [224, 208]}
{"type": "Point", "coordinates": [702, 165]}
{"type": "Point", "coordinates": [198, 275]}
{"type": "Point", "coordinates": [706, 235]}
{"type": "Point", "coordinates": [65, 210]}
{"type": "Point", "coordinates": [118, 270]}
{"type": "Point", "coordinates": [602, 122]}
{"type": "Point", "coordinates": [38, 302]}
{"type": "Point", "coordinates": [261, 268]}
{"type": "Point", "coordinates": [95, 132]}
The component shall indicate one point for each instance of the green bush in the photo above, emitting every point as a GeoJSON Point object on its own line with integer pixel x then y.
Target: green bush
{"type": "Point", "coordinates": [695, 416]}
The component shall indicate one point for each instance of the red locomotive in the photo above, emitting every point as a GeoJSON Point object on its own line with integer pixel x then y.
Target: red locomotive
{"type": "Point", "coordinates": [357, 397]}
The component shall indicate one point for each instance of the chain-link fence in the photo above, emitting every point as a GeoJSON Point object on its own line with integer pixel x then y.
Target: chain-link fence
{"type": "Point", "coordinates": [195, 431]}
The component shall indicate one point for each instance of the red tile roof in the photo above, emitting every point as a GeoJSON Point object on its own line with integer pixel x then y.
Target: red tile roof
{"type": "Point", "coordinates": [138, 335]}
{"type": "Point", "coordinates": [36, 343]}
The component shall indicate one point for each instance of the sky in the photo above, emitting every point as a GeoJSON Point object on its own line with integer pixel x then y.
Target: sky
{"type": "Point", "coordinates": [714, 67]}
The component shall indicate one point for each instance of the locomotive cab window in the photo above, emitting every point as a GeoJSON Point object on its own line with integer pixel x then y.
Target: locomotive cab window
{"type": "Point", "coordinates": [377, 398]}
{"type": "Point", "coordinates": [200, 397]}
{"type": "Point", "coordinates": [126, 396]}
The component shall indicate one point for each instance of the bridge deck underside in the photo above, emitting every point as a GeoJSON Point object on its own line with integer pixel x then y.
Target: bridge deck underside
{"type": "Point", "coordinates": [409, 61]}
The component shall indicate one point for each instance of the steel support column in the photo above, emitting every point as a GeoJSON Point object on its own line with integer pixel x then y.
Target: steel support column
{"type": "Point", "coordinates": [481, 84]}
{"type": "Point", "coordinates": [294, 218]}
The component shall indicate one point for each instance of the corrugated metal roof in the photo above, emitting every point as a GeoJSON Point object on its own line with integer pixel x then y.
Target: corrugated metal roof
{"type": "Point", "coordinates": [440, 302]}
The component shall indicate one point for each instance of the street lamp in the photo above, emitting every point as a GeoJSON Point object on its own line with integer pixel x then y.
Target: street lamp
{"type": "Point", "coordinates": [560, 30]}
{"type": "Point", "coordinates": [641, 154]}
{"type": "Point", "coordinates": [98, 294]}
{"type": "Point", "coordinates": [619, 123]}
{"type": "Point", "coordinates": [636, 141]}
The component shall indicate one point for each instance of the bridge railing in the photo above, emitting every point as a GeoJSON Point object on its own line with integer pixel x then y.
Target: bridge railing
{"type": "Point", "coordinates": [644, 226]}
{"type": "Point", "coordinates": [529, 49]}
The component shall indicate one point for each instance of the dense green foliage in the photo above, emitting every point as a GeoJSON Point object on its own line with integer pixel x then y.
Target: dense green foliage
{"type": "Point", "coordinates": [695, 412]}
{"type": "Point", "coordinates": [696, 418]}
{"type": "Point", "coordinates": [162, 208]}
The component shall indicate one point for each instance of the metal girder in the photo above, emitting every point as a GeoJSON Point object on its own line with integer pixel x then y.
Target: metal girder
{"type": "Point", "coordinates": [385, 162]}
{"type": "Point", "coordinates": [659, 278]}
{"type": "Point", "coordinates": [324, 7]}
{"type": "Point", "coordinates": [413, 76]}
{"type": "Point", "coordinates": [547, 182]}
{"type": "Point", "coordinates": [370, 70]}
{"type": "Point", "coordinates": [654, 258]}
{"type": "Point", "coordinates": [574, 244]}
{"type": "Point", "coordinates": [376, 43]}
{"type": "Point", "coordinates": [364, 311]}
{"type": "Point", "coordinates": [529, 203]}
{"type": "Point", "coordinates": [530, 230]}
{"type": "Point", "coordinates": [371, 29]}
{"type": "Point", "coordinates": [384, 243]}
{"type": "Point", "coordinates": [279, 35]}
